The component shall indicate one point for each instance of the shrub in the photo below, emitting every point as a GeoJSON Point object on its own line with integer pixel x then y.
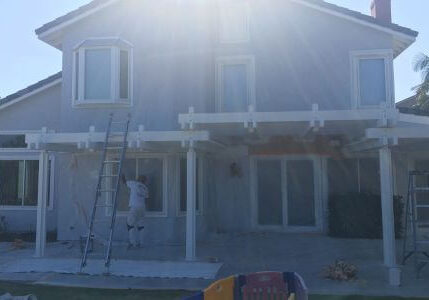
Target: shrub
{"type": "Point", "coordinates": [341, 271]}
{"type": "Point", "coordinates": [358, 215]}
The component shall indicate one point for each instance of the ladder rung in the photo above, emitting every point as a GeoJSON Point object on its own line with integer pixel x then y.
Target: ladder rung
{"type": "Point", "coordinates": [119, 122]}
{"type": "Point", "coordinates": [420, 189]}
{"type": "Point", "coordinates": [111, 161]}
{"type": "Point", "coordinates": [114, 148]}
{"type": "Point", "coordinates": [104, 205]}
{"type": "Point", "coordinates": [422, 242]}
{"type": "Point", "coordinates": [101, 220]}
{"type": "Point", "coordinates": [114, 175]}
{"type": "Point", "coordinates": [422, 206]}
{"type": "Point", "coordinates": [106, 191]}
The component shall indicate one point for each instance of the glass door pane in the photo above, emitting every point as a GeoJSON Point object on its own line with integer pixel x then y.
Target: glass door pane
{"type": "Point", "coordinates": [300, 193]}
{"type": "Point", "coordinates": [270, 203]}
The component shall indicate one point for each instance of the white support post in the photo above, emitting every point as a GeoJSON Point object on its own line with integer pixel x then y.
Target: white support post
{"type": "Point", "coordinates": [388, 218]}
{"type": "Point", "coordinates": [42, 199]}
{"type": "Point", "coordinates": [190, 204]}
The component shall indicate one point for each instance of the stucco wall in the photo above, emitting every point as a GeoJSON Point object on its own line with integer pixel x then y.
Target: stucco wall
{"type": "Point", "coordinates": [301, 56]}
{"type": "Point", "coordinates": [78, 179]}
{"type": "Point", "coordinates": [33, 113]}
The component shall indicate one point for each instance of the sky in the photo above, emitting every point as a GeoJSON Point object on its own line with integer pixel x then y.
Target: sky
{"type": "Point", "coordinates": [25, 60]}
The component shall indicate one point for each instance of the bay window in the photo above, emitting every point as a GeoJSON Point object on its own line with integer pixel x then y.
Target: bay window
{"type": "Point", "coordinates": [102, 73]}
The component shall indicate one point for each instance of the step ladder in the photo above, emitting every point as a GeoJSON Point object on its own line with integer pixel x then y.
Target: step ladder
{"type": "Point", "coordinates": [113, 154]}
{"type": "Point", "coordinates": [416, 240]}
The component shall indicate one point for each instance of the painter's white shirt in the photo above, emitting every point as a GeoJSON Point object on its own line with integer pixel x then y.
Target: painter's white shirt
{"type": "Point", "coordinates": [138, 193]}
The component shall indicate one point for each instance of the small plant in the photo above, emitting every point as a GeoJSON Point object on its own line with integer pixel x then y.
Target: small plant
{"type": "Point", "coordinates": [341, 271]}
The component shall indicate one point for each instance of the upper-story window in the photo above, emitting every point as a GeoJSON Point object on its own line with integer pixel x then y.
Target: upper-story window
{"type": "Point", "coordinates": [102, 72]}
{"type": "Point", "coordinates": [234, 22]}
{"type": "Point", "coordinates": [372, 78]}
{"type": "Point", "coordinates": [235, 83]}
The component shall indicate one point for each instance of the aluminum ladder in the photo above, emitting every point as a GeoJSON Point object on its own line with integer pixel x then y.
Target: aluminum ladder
{"type": "Point", "coordinates": [416, 241]}
{"type": "Point", "coordinates": [113, 154]}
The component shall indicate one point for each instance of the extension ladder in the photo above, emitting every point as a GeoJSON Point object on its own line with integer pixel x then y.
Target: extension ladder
{"type": "Point", "coordinates": [416, 240]}
{"type": "Point", "coordinates": [114, 149]}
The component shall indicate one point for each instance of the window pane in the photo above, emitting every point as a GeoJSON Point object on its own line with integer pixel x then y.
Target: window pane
{"type": "Point", "coordinates": [123, 76]}
{"type": "Point", "coordinates": [342, 176]}
{"type": "Point", "coordinates": [235, 91]}
{"type": "Point", "coordinates": [76, 78]}
{"type": "Point", "coordinates": [184, 186]}
{"type": "Point", "coordinates": [97, 73]}
{"type": "Point", "coordinates": [270, 203]}
{"type": "Point", "coordinates": [372, 81]}
{"type": "Point", "coordinates": [152, 168]}
{"type": "Point", "coordinates": [233, 23]}
{"type": "Point", "coordinates": [369, 175]}
{"type": "Point", "coordinates": [12, 141]}
{"type": "Point", "coordinates": [300, 193]}
{"type": "Point", "coordinates": [31, 182]}
{"type": "Point", "coordinates": [11, 182]}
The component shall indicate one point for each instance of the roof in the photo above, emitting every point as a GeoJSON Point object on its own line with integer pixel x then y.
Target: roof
{"type": "Point", "coordinates": [321, 3]}
{"type": "Point", "coordinates": [31, 88]}
{"type": "Point", "coordinates": [75, 13]}
{"type": "Point", "coordinates": [406, 106]}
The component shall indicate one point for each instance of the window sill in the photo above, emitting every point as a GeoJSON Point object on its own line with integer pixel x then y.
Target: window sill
{"type": "Point", "coordinates": [21, 208]}
{"type": "Point", "coordinates": [183, 214]}
{"type": "Point", "coordinates": [101, 104]}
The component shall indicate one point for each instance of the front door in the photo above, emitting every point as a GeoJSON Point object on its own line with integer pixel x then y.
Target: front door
{"type": "Point", "coordinates": [286, 193]}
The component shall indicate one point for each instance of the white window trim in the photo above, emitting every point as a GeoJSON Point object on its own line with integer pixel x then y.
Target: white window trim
{"type": "Point", "coordinates": [114, 100]}
{"type": "Point", "coordinates": [387, 55]}
{"type": "Point", "coordinates": [149, 214]}
{"type": "Point", "coordinates": [249, 62]}
{"type": "Point", "coordinates": [319, 189]}
{"type": "Point", "coordinates": [33, 155]}
{"type": "Point", "coordinates": [246, 37]}
{"type": "Point", "coordinates": [200, 183]}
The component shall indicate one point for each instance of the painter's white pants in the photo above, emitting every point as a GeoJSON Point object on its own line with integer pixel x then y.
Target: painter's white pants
{"type": "Point", "coordinates": [135, 224]}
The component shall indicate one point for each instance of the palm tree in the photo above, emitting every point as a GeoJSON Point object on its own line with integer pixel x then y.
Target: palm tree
{"type": "Point", "coordinates": [421, 65]}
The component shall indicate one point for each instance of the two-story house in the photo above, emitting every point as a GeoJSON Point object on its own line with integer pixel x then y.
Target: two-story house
{"type": "Point", "coordinates": [246, 115]}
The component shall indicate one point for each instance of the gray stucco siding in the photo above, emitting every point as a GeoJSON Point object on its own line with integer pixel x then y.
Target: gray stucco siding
{"type": "Point", "coordinates": [33, 113]}
{"type": "Point", "coordinates": [302, 57]}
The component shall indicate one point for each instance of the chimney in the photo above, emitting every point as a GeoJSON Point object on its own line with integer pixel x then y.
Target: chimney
{"type": "Point", "coordinates": [382, 10]}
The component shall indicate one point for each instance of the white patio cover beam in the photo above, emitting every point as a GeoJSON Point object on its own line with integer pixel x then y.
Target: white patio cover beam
{"type": "Point", "coordinates": [314, 116]}
{"type": "Point", "coordinates": [398, 132]}
{"type": "Point", "coordinates": [35, 140]}
{"type": "Point", "coordinates": [191, 160]}
{"type": "Point", "coordinates": [388, 218]}
{"type": "Point", "coordinates": [42, 199]}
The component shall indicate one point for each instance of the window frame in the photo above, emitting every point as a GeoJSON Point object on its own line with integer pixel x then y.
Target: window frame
{"type": "Point", "coordinates": [136, 157]}
{"type": "Point", "coordinates": [387, 56]}
{"type": "Point", "coordinates": [200, 182]}
{"type": "Point", "coordinates": [221, 62]}
{"type": "Point", "coordinates": [115, 45]}
{"type": "Point", "coordinates": [246, 38]}
{"type": "Point", "coordinates": [27, 156]}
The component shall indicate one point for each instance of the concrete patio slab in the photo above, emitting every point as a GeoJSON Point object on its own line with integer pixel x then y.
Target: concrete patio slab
{"type": "Point", "coordinates": [131, 268]}
{"type": "Point", "coordinates": [306, 254]}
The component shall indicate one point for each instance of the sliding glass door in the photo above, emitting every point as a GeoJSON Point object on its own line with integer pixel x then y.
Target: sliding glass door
{"type": "Point", "coordinates": [287, 193]}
